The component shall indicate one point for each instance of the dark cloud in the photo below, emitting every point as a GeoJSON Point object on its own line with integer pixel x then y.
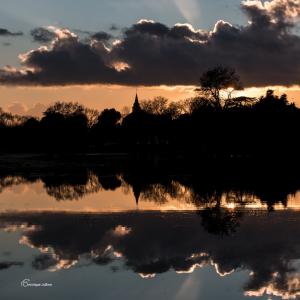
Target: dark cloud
{"type": "Point", "coordinates": [187, 31]}
{"type": "Point", "coordinates": [264, 52]}
{"type": "Point", "coordinates": [66, 61]}
{"type": "Point", "coordinates": [101, 36]}
{"type": "Point", "coordinates": [42, 35]}
{"type": "Point", "coordinates": [43, 262]}
{"type": "Point", "coordinates": [6, 32]}
{"type": "Point", "coordinates": [6, 265]}
{"type": "Point", "coordinates": [113, 27]}
{"type": "Point", "coordinates": [148, 28]}
{"type": "Point", "coordinates": [80, 31]}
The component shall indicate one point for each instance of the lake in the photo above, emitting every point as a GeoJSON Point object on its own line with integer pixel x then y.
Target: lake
{"type": "Point", "coordinates": [117, 233]}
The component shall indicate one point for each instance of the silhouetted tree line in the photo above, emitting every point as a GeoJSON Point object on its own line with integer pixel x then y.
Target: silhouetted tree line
{"type": "Point", "coordinates": [213, 124]}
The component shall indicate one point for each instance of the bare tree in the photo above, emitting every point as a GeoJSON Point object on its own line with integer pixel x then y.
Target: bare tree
{"type": "Point", "coordinates": [65, 109]}
{"type": "Point", "coordinates": [157, 106]}
{"type": "Point", "coordinates": [161, 106]}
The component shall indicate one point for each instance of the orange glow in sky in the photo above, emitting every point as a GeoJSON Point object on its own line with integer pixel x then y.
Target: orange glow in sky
{"type": "Point", "coordinates": [19, 100]}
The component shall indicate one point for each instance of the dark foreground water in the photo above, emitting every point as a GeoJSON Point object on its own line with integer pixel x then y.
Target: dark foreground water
{"type": "Point", "coordinates": [116, 236]}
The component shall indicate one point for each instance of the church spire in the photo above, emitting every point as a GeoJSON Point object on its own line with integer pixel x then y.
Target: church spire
{"type": "Point", "coordinates": [136, 193]}
{"type": "Point", "coordinates": [136, 105]}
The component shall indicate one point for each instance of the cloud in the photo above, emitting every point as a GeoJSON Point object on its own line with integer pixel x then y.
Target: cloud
{"type": "Point", "coordinates": [264, 52]}
{"type": "Point", "coordinates": [6, 32]}
{"type": "Point", "coordinates": [6, 265]}
{"type": "Point", "coordinates": [101, 36]}
{"type": "Point", "coordinates": [66, 61]}
{"type": "Point", "coordinates": [43, 262]}
{"type": "Point", "coordinates": [278, 11]}
{"type": "Point", "coordinates": [113, 27]}
{"type": "Point", "coordinates": [18, 108]}
{"type": "Point", "coordinates": [36, 110]}
{"type": "Point", "coordinates": [42, 35]}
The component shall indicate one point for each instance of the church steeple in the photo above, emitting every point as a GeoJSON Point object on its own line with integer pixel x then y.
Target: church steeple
{"type": "Point", "coordinates": [136, 105]}
{"type": "Point", "coordinates": [136, 193]}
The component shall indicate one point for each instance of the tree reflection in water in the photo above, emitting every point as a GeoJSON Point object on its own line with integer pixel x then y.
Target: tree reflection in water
{"type": "Point", "coordinates": [220, 221]}
{"type": "Point", "coordinates": [159, 188]}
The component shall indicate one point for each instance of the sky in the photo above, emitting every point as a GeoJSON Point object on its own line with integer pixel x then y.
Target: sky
{"type": "Point", "coordinates": [97, 52]}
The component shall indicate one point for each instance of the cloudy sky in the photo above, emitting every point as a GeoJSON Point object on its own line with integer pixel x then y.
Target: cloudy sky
{"type": "Point", "coordinates": [98, 51]}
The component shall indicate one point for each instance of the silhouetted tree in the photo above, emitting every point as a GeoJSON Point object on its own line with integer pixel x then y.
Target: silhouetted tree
{"type": "Point", "coordinates": [157, 106]}
{"type": "Point", "coordinates": [201, 104]}
{"type": "Point", "coordinates": [215, 81]}
{"type": "Point", "coordinates": [160, 106]}
{"type": "Point", "coordinates": [240, 102]}
{"type": "Point", "coordinates": [273, 103]}
{"type": "Point", "coordinates": [10, 120]}
{"type": "Point", "coordinates": [65, 109]}
{"type": "Point", "coordinates": [66, 127]}
{"type": "Point", "coordinates": [92, 116]}
{"type": "Point", "coordinates": [106, 130]}
{"type": "Point", "coordinates": [109, 118]}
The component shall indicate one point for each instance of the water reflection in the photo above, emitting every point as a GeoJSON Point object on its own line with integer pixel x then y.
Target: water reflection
{"type": "Point", "coordinates": [111, 217]}
{"type": "Point", "coordinates": [159, 190]}
{"type": "Point", "coordinates": [72, 187]}
{"type": "Point", "coordinates": [220, 221]}
{"type": "Point", "coordinates": [154, 243]}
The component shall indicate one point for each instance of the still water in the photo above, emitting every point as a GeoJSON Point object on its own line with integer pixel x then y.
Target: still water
{"type": "Point", "coordinates": [114, 236]}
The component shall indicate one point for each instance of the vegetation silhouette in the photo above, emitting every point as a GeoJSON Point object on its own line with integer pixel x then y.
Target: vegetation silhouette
{"type": "Point", "coordinates": [215, 124]}
{"type": "Point", "coordinates": [220, 221]}
{"type": "Point", "coordinates": [212, 186]}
